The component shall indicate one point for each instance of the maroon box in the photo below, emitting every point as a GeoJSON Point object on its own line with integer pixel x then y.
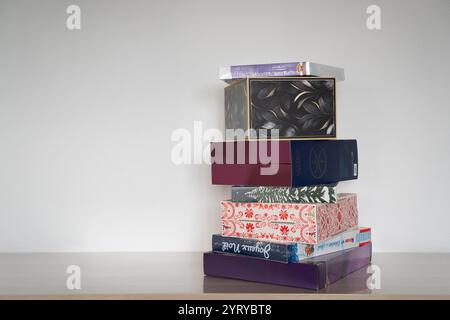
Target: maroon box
{"type": "Point", "coordinates": [283, 163]}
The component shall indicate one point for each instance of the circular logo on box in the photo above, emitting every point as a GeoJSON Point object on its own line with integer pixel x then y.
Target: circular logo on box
{"type": "Point", "coordinates": [318, 161]}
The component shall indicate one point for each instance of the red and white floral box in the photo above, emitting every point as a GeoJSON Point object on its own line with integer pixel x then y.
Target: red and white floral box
{"type": "Point", "coordinates": [289, 222]}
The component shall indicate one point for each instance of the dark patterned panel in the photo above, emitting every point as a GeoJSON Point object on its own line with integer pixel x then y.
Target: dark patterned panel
{"type": "Point", "coordinates": [236, 109]}
{"type": "Point", "coordinates": [297, 108]}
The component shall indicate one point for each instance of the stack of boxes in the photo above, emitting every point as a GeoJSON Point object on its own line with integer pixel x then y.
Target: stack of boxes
{"type": "Point", "coordinates": [285, 222]}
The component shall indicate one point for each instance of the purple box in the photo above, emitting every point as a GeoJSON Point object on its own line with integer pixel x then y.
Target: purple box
{"type": "Point", "coordinates": [315, 273]}
{"type": "Point", "coordinates": [304, 68]}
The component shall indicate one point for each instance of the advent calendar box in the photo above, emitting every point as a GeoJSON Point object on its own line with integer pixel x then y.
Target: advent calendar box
{"type": "Point", "coordinates": [283, 163]}
{"type": "Point", "coordinates": [305, 68]}
{"type": "Point", "coordinates": [314, 273]}
{"type": "Point", "coordinates": [302, 223]}
{"type": "Point", "coordinates": [309, 194]}
{"type": "Point", "coordinates": [296, 107]}
{"type": "Point", "coordinates": [290, 252]}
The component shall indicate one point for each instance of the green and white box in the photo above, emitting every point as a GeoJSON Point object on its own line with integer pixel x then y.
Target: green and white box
{"type": "Point", "coordinates": [325, 193]}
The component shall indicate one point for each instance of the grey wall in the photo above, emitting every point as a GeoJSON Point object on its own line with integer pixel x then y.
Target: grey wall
{"type": "Point", "coordinates": [86, 116]}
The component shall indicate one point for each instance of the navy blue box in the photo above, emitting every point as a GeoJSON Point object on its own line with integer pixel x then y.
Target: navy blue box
{"type": "Point", "coordinates": [295, 163]}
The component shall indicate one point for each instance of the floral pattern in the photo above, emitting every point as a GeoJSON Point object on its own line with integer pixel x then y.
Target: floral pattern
{"type": "Point", "coordinates": [248, 213]}
{"type": "Point", "coordinates": [303, 223]}
{"type": "Point", "coordinates": [284, 230]}
{"type": "Point", "coordinates": [283, 214]}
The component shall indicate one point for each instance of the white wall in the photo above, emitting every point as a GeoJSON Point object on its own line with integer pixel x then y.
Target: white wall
{"type": "Point", "coordinates": [86, 116]}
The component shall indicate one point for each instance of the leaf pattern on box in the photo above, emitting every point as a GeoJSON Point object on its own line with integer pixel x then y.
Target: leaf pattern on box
{"type": "Point", "coordinates": [296, 107]}
{"type": "Point", "coordinates": [309, 194]}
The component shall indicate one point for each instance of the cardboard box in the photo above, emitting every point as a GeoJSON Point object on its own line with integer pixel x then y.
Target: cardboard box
{"type": "Point", "coordinates": [303, 223]}
{"type": "Point", "coordinates": [309, 194]}
{"type": "Point", "coordinates": [314, 273]}
{"type": "Point", "coordinates": [296, 107]}
{"type": "Point", "coordinates": [283, 163]}
{"type": "Point", "coordinates": [305, 68]}
{"type": "Point", "coordinates": [290, 252]}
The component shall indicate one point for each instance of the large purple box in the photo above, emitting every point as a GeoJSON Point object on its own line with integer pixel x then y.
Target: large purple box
{"type": "Point", "coordinates": [315, 273]}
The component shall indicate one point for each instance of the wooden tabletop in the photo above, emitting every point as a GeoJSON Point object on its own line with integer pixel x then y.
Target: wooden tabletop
{"type": "Point", "coordinates": [180, 276]}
